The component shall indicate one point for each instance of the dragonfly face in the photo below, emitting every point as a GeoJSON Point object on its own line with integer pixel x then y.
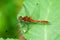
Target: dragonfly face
{"type": "Point", "coordinates": [26, 18]}
{"type": "Point", "coordinates": [20, 18]}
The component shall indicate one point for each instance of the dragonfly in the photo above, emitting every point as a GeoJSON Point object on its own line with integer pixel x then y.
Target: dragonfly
{"type": "Point", "coordinates": [28, 19]}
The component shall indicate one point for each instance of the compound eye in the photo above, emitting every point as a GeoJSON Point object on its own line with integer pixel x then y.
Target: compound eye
{"type": "Point", "coordinates": [20, 18]}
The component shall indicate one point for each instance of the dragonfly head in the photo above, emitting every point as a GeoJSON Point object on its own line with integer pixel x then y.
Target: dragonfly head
{"type": "Point", "coordinates": [20, 18]}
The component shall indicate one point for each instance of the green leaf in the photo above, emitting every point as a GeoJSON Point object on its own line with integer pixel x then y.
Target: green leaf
{"type": "Point", "coordinates": [42, 10]}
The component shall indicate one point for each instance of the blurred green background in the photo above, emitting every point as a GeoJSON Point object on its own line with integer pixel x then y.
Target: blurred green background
{"type": "Point", "coordinates": [8, 18]}
{"type": "Point", "coordinates": [36, 9]}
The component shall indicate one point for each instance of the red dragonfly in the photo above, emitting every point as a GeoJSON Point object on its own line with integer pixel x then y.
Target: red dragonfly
{"type": "Point", "coordinates": [28, 19]}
